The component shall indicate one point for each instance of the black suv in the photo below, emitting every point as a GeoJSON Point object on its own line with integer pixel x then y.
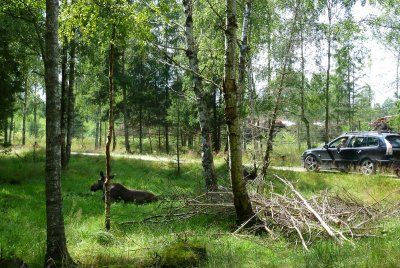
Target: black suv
{"type": "Point", "coordinates": [364, 150]}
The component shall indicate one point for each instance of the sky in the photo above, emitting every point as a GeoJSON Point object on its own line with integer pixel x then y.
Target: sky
{"type": "Point", "coordinates": [381, 71]}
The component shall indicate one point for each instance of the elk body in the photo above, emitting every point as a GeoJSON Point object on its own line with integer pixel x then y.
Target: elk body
{"type": "Point", "coordinates": [119, 192]}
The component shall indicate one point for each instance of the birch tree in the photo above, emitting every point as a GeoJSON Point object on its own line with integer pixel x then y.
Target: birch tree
{"type": "Point", "coordinates": [203, 111]}
{"type": "Point", "coordinates": [56, 250]}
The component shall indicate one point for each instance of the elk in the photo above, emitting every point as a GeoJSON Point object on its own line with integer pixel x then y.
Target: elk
{"type": "Point", "coordinates": [119, 192]}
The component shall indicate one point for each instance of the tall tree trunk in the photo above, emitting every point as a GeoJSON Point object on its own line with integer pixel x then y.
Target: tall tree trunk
{"type": "Point", "coordinates": [140, 129]}
{"type": "Point", "coordinates": [105, 131]}
{"type": "Point", "coordinates": [177, 136]}
{"type": "Point", "coordinates": [243, 207]}
{"type": "Point", "coordinates": [110, 130]}
{"type": "Point", "coordinates": [125, 106]}
{"type": "Point", "coordinates": [96, 137]}
{"type": "Point", "coordinates": [253, 96]}
{"type": "Point", "coordinates": [56, 250]}
{"type": "Point", "coordinates": [269, 46]}
{"type": "Point", "coordinates": [64, 101]}
{"type": "Point", "coordinates": [328, 72]}
{"type": "Point", "coordinates": [204, 116]}
{"type": "Point", "coordinates": [167, 98]}
{"type": "Point", "coordinates": [167, 104]}
{"type": "Point", "coordinates": [243, 51]}
{"type": "Point", "coordinates": [71, 101]}
{"type": "Point", "coordinates": [349, 91]}
{"type": "Point", "coordinates": [216, 139]}
{"type": "Point", "coordinates": [100, 131]}
{"type": "Point", "coordinates": [25, 111]}
{"type": "Point", "coordinates": [150, 143]}
{"type": "Point", "coordinates": [302, 89]}
{"type": "Point", "coordinates": [397, 76]}
{"type": "Point", "coordinates": [35, 123]}
{"type": "Point", "coordinates": [114, 145]}
{"type": "Point", "coordinates": [11, 128]}
{"type": "Point", "coordinates": [5, 131]}
{"type": "Point", "coordinates": [159, 139]}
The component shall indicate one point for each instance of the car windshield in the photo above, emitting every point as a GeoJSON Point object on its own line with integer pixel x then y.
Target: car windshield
{"type": "Point", "coordinates": [394, 141]}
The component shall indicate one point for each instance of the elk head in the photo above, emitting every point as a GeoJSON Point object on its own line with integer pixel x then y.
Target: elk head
{"type": "Point", "coordinates": [100, 182]}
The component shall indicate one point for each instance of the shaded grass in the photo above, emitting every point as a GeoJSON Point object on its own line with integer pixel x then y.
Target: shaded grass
{"type": "Point", "coordinates": [22, 213]}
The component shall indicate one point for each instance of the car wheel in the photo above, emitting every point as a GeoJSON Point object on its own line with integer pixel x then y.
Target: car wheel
{"type": "Point", "coordinates": [311, 163]}
{"type": "Point", "coordinates": [368, 167]}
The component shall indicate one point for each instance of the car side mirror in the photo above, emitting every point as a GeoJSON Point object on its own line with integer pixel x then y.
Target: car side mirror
{"type": "Point", "coordinates": [326, 146]}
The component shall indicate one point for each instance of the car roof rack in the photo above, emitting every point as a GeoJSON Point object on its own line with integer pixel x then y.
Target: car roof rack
{"type": "Point", "coordinates": [366, 132]}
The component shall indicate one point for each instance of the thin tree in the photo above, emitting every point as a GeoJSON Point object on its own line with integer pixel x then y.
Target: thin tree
{"type": "Point", "coordinates": [243, 206]}
{"type": "Point", "coordinates": [107, 198]}
{"type": "Point", "coordinates": [25, 110]}
{"type": "Point", "coordinates": [64, 101]}
{"type": "Point", "coordinates": [125, 106]}
{"type": "Point", "coordinates": [71, 100]}
{"type": "Point", "coordinates": [278, 97]}
{"type": "Point", "coordinates": [302, 86]}
{"type": "Point", "coordinates": [329, 6]}
{"type": "Point", "coordinates": [56, 247]}
{"type": "Point", "coordinates": [201, 100]}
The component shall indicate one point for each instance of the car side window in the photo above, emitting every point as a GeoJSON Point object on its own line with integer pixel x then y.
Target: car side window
{"type": "Point", "coordinates": [358, 142]}
{"type": "Point", "coordinates": [339, 143]}
{"type": "Point", "coordinates": [373, 141]}
{"type": "Point", "coordinates": [394, 141]}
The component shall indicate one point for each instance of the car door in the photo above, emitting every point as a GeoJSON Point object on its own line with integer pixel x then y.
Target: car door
{"type": "Point", "coordinates": [371, 150]}
{"type": "Point", "coordinates": [336, 148]}
{"type": "Point", "coordinates": [357, 146]}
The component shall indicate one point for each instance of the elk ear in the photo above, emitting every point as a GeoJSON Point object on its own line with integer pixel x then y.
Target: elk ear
{"type": "Point", "coordinates": [102, 174]}
{"type": "Point", "coordinates": [112, 176]}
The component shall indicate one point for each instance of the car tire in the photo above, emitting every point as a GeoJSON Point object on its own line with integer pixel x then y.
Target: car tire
{"type": "Point", "coordinates": [367, 167]}
{"type": "Point", "coordinates": [311, 163]}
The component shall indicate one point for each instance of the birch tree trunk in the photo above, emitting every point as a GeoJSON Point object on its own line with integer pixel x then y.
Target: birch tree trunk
{"type": "Point", "coordinates": [203, 113]}
{"type": "Point", "coordinates": [243, 51]}
{"type": "Point", "coordinates": [107, 198]}
{"type": "Point", "coordinates": [56, 246]}
{"type": "Point", "coordinates": [241, 199]}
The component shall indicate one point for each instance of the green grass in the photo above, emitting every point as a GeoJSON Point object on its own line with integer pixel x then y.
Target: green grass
{"type": "Point", "coordinates": [22, 224]}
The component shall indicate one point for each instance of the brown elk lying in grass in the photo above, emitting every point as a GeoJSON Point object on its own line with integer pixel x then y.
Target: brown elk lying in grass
{"type": "Point", "coordinates": [119, 192]}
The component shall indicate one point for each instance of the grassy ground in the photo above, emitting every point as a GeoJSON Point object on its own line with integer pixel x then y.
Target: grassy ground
{"type": "Point", "coordinates": [22, 224]}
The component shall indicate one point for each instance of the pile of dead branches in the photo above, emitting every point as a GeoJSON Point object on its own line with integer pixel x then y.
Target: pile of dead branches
{"type": "Point", "coordinates": [339, 217]}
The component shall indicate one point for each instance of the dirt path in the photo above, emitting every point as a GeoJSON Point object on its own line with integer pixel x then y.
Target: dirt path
{"type": "Point", "coordinates": [165, 159]}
